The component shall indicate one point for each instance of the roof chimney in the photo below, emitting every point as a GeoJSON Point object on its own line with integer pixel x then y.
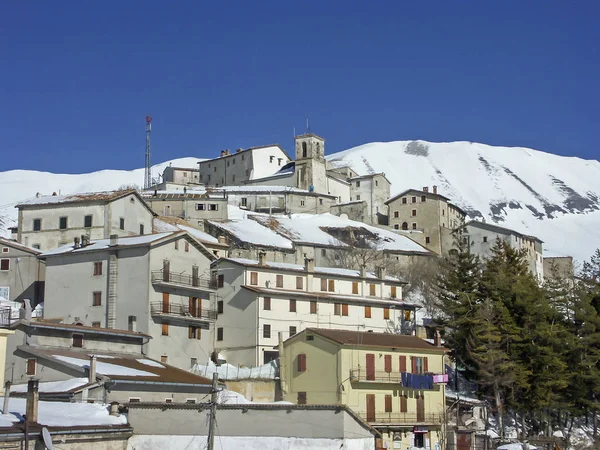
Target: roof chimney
{"type": "Point", "coordinates": [434, 189]}
{"type": "Point", "coordinates": [92, 369]}
{"type": "Point", "coordinates": [238, 150]}
{"type": "Point", "coordinates": [75, 242]}
{"type": "Point", "coordinates": [114, 239]}
{"type": "Point", "coordinates": [262, 258]}
{"type": "Point", "coordinates": [425, 188]}
{"type": "Point", "coordinates": [33, 396]}
{"type": "Point", "coordinates": [363, 271]}
{"type": "Point", "coordinates": [114, 408]}
{"type": "Point", "coordinates": [309, 265]}
{"type": "Point", "coordinates": [381, 272]}
{"type": "Point", "coordinates": [222, 239]}
{"type": "Point", "coordinates": [437, 339]}
{"type": "Point", "coordinates": [54, 194]}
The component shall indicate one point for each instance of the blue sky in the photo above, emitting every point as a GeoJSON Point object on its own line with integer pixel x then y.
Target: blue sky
{"type": "Point", "coordinates": [78, 77]}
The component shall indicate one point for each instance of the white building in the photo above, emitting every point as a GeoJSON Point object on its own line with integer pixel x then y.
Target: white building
{"type": "Point", "coordinates": [157, 284]}
{"type": "Point", "coordinates": [47, 222]}
{"type": "Point", "coordinates": [258, 299]}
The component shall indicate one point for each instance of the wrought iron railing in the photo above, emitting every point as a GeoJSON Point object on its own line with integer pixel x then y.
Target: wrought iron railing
{"type": "Point", "coordinates": [361, 374]}
{"type": "Point", "coordinates": [159, 276]}
{"type": "Point", "coordinates": [5, 316]}
{"type": "Point", "coordinates": [401, 418]}
{"type": "Point", "coordinates": [180, 310]}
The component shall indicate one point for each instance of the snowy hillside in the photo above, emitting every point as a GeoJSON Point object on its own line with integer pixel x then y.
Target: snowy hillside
{"type": "Point", "coordinates": [553, 197]}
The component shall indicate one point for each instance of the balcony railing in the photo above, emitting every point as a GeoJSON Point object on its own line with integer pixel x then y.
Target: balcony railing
{"type": "Point", "coordinates": [392, 418]}
{"type": "Point", "coordinates": [360, 374]}
{"type": "Point", "coordinates": [179, 279]}
{"type": "Point", "coordinates": [6, 316]}
{"type": "Point", "coordinates": [182, 311]}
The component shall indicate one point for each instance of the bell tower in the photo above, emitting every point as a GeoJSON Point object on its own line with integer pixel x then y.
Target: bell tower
{"type": "Point", "coordinates": [310, 163]}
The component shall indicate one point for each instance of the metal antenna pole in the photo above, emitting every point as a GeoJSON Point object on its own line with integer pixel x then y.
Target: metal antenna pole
{"type": "Point", "coordinates": [147, 172]}
{"type": "Point", "coordinates": [213, 412]}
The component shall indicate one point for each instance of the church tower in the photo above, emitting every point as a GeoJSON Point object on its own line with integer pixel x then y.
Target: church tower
{"type": "Point", "coordinates": [310, 163]}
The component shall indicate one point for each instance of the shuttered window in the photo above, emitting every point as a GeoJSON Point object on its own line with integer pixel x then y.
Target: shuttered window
{"type": "Point", "coordinates": [299, 282]}
{"type": "Point", "coordinates": [402, 363]}
{"type": "Point", "coordinates": [403, 403]}
{"type": "Point", "coordinates": [388, 363]}
{"type": "Point", "coordinates": [331, 286]}
{"type": "Point", "coordinates": [313, 307]}
{"type": "Point", "coordinates": [386, 313]}
{"type": "Point", "coordinates": [267, 303]}
{"type": "Point", "coordinates": [279, 281]}
{"type": "Point", "coordinates": [372, 289]}
{"type": "Point", "coordinates": [388, 403]}
{"type": "Point", "coordinates": [302, 398]}
{"type": "Point", "coordinates": [323, 284]}
{"type": "Point", "coordinates": [97, 299]}
{"type": "Point", "coordinates": [165, 329]}
{"type": "Point", "coordinates": [344, 309]}
{"type": "Point", "coordinates": [393, 292]}
{"type": "Point", "coordinates": [302, 362]}
{"type": "Point", "coordinates": [78, 340]}
{"type": "Point", "coordinates": [254, 278]}
{"type": "Point", "coordinates": [337, 309]}
{"type": "Point", "coordinates": [292, 305]}
{"type": "Point", "coordinates": [31, 363]}
{"type": "Point", "coordinates": [367, 312]}
{"type": "Point", "coordinates": [355, 288]}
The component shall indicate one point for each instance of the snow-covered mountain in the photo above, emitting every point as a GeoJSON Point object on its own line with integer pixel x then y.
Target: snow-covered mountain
{"type": "Point", "coordinates": [553, 197]}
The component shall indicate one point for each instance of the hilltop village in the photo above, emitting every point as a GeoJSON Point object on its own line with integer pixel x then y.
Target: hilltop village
{"type": "Point", "coordinates": [294, 280]}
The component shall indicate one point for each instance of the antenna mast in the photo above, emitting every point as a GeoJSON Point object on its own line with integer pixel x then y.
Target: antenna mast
{"type": "Point", "coordinates": [148, 172]}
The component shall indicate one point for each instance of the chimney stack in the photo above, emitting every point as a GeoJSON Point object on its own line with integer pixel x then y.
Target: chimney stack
{"type": "Point", "coordinates": [262, 258]}
{"type": "Point", "coordinates": [425, 188]}
{"type": "Point", "coordinates": [434, 189]}
{"type": "Point", "coordinates": [114, 239]}
{"type": "Point", "coordinates": [363, 271]}
{"type": "Point", "coordinates": [222, 240]}
{"type": "Point", "coordinates": [114, 408]}
{"type": "Point", "coordinates": [381, 272]}
{"type": "Point", "coordinates": [309, 265]}
{"type": "Point", "coordinates": [92, 370]}
{"type": "Point", "coordinates": [75, 242]}
{"type": "Point", "coordinates": [33, 396]}
{"type": "Point", "coordinates": [238, 150]}
{"type": "Point", "coordinates": [437, 339]}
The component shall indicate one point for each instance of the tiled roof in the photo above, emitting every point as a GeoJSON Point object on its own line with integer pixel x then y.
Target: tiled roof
{"type": "Point", "coordinates": [44, 324]}
{"type": "Point", "coordinates": [16, 245]}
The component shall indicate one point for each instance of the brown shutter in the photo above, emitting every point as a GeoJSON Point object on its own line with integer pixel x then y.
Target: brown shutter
{"type": "Point", "coordinates": [302, 398]}
{"type": "Point", "coordinates": [31, 367]}
{"type": "Point", "coordinates": [192, 306]}
{"type": "Point", "coordinates": [388, 403]}
{"type": "Point", "coordinates": [190, 332]}
{"type": "Point", "coordinates": [393, 291]}
{"type": "Point", "coordinates": [165, 329]}
{"type": "Point", "coordinates": [198, 333]}
{"type": "Point", "coordinates": [388, 363]}
{"type": "Point", "coordinates": [370, 366]}
{"type": "Point", "coordinates": [386, 313]}
{"type": "Point", "coordinates": [372, 290]}
{"type": "Point", "coordinates": [302, 362]}
{"type": "Point", "coordinates": [279, 281]}
{"type": "Point", "coordinates": [254, 278]}
{"type": "Point", "coordinates": [355, 288]}
{"type": "Point", "coordinates": [323, 284]}
{"type": "Point", "coordinates": [292, 305]}
{"type": "Point", "coordinates": [370, 407]}
{"type": "Point", "coordinates": [403, 403]}
{"type": "Point", "coordinates": [367, 312]}
{"type": "Point", "coordinates": [267, 303]}
{"type": "Point", "coordinates": [299, 282]}
{"type": "Point", "coordinates": [337, 309]}
{"type": "Point", "coordinates": [425, 365]}
{"type": "Point", "coordinates": [344, 309]}
{"type": "Point", "coordinates": [331, 285]}
{"type": "Point", "coordinates": [313, 307]}
{"type": "Point", "coordinates": [165, 302]}
{"type": "Point", "coordinates": [402, 363]}
{"type": "Point", "coordinates": [413, 364]}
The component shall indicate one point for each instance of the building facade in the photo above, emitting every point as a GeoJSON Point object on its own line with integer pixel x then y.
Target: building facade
{"type": "Point", "coordinates": [181, 175]}
{"type": "Point", "coordinates": [258, 299]}
{"type": "Point", "coordinates": [190, 206]}
{"type": "Point", "coordinates": [157, 284]}
{"type": "Point", "coordinates": [47, 222]}
{"type": "Point", "coordinates": [22, 274]}
{"type": "Point", "coordinates": [429, 216]}
{"type": "Point", "coordinates": [387, 379]}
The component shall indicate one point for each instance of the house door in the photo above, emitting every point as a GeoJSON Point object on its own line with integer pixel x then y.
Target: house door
{"type": "Point", "coordinates": [420, 408]}
{"type": "Point", "coordinates": [165, 303]}
{"type": "Point", "coordinates": [370, 366]}
{"type": "Point", "coordinates": [166, 270]}
{"type": "Point", "coordinates": [370, 407]}
{"type": "Point", "coordinates": [195, 305]}
{"type": "Point", "coordinates": [463, 441]}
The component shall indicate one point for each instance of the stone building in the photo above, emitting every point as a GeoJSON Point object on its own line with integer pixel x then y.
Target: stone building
{"type": "Point", "coordinates": [157, 284]}
{"type": "Point", "coordinates": [22, 274]}
{"type": "Point", "coordinates": [258, 299]}
{"type": "Point", "coordinates": [47, 222]}
{"type": "Point", "coordinates": [192, 206]}
{"type": "Point", "coordinates": [181, 175]}
{"type": "Point", "coordinates": [429, 216]}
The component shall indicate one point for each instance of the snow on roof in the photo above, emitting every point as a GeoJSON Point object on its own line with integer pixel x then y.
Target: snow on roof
{"type": "Point", "coordinates": [229, 372]}
{"type": "Point", "coordinates": [171, 224]}
{"type": "Point", "coordinates": [250, 231]}
{"type": "Point", "coordinates": [103, 196]}
{"type": "Point", "coordinates": [50, 387]}
{"type": "Point", "coordinates": [231, 397]}
{"type": "Point", "coordinates": [103, 244]}
{"type": "Point", "coordinates": [62, 414]}
{"type": "Point", "coordinates": [103, 368]}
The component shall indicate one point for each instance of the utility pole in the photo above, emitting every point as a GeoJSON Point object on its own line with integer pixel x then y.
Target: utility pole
{"type": "Point", "coordinates": [213, 411]}
{"type": "Point", "coordinates": [147, 167]}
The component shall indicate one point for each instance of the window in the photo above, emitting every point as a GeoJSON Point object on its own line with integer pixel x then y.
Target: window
{"type": "Point", "coordinates": [132, 323]}
{"type": "Point", "coordinates": [220, 307]}
{"type": "Point", "coordinates": [302, 362]}
{"type": "Point", "coordinates": [213, 207]}
{"type": "Point", "coordinates": [304, 150]}
{"type": "Point", "coordinates": [427, 240]}
{"type": "Point", "coordinates": [244, 201]}
{"type": "Point", "coordinates": [337, 309]}
{"type": "Point", "coordinates": [219, 334]}
{"type": "Point", "coordinates": [367, 312]}
{"type": "Point", "coordinates": [190, 400]}
{"type": "Point", "coordinates": [301, 202]}
{"type": "Point", "coordinates": [358, 184]}
{"type": "Point", "coordinates": [31, 366]}
{"type": "Point", "coordinates": [194, 332]}
{"type": "Point", "coordinates": [87, 221]}
{"type": "Point", "coordinates": [141, 228]}
{"type": "Point", "coordinates": [228, 162]}
{"type": "Point", "coordinates": [331, 286]}
{"type": "Point", "coordinates": [233, 178]}
{"type": "Point", "coordinates": [78, 340]}
{"type": "Point", "coordinates": [271, 158]}
{"type": "Point", "coordinates": [187, 246]}
{"type": "Point", "coordinates": [355, 288]}
{"type": "Point", "coordinates": [413, 199]}
{"type": "Point", "coordinates": [404, 225]}
{"type": "Point", "coordinates": [292, 331]}
{"type": "Point", "coordinates": [301, 398]}
{"type": "Point", "coordinates": [406, 314]}
{"type": "Point", "coordinates": [396, 214]}
{"type": "Point", "coordinates": [386, 313]}
{"type": "Point", "coordinates": [37, 224]}
{"type": "Point", "coordinates": [62, 223]}
{"type": "Point", "coordinates": [413, 213]}
{"type": "Point", "coordinates": [95, 324]}
{"type": "Point", "coordinates": [254, 278]}
{"type": "Point", "coordinates": [299, 282]}
{"type": "Point", "coordinates": [36, 246]}
{"type": "Point", "coordinates": [357, 197]}
{"type": "Point", "coordinates": [396, 227]}
{"type": "Point", "coordinates": [313, 307]}
{"type": "Point", "coordinates": [233, 161]}
{"type": "Point", "coordinates": [97, 298]}
{"type": "Point", "coordinates": [164, 359]}
{"type": "Point", "coordinates": [122, 223]}
{"type": "Point", "coordinates": [98, 268]}
{"type": "Point", "coordinates": [403, 404]}
{"type": "Point", "coordinates": [164, 329]}
{"type": "Point", "coordinates": [388, 403]}
{"type": "Point", "coordinates": [4, 264]}
{"type": "Point", "coordinates": [292, 305]}
{"type": "Point", "coordinates": [279, 281]}
{"type": "Point", "coordinates": [414, 225]}
{"type": "Point", "coordinates": [267, 303]}
{"type": "Point", "coordinates": [372, 288]}
{"type": "Point", "coordinates": [323, 284]}
{"type": "Point", "coordinates": [266, 331]}
{"type": "Point", "coordinates": [423, 199]}
{"type": "Point", "coordinates": [393, 291]}
{"type": "Point", "coordinates": [200, 206]}
{"type": "Point", "coordinates": [344, 309]}
{"type": "Point", "coordinates": [485, 239]}
{"type": "Point", "coordinates": [376, 183]}
{"type": "Point", "coordinates": [176, 245]}
{"type": "Point", "coordinates": [404, 201]}
{"type": "Point", "coordinates": [221, 280]}
{"type": "Point", "coordinates": [419, 364]}
{"type": "Point", "coordinates": [323, 252]}
{"type": "Point", "coordinates": [320, 201]}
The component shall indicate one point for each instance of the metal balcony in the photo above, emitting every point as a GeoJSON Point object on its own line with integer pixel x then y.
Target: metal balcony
{"type": "Point", "coordinates": [6, 316]}
{"type": "Point", "coordinates": [398, 418]}
{"type": "Point", "coordinates": [182, 312]}
{"type": "Point", "coordinates": [377, 376]}
{"type": "Point", "coordinates": [185, 281]}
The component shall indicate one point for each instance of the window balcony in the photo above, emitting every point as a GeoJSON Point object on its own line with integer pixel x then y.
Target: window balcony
{"type": "Point", "coordinates": [398, 418]}
{"type": "Point", "coordinates": [188, 282]}
{"type": "Point", "coordinates": [379, 376]}
{"type": "Point", "coordinates": [180, 312]}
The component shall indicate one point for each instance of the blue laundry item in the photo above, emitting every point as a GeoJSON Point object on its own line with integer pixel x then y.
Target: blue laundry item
{"type": "Point", "coordinates": [404, 379]}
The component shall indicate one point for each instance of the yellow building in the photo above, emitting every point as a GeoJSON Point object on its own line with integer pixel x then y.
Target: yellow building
{"type": "Point", "coordinates": [392, 381]}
